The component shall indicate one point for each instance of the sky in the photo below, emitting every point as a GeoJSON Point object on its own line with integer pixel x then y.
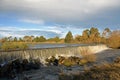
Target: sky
{"type": "Point", "coordinates": [52, 18]}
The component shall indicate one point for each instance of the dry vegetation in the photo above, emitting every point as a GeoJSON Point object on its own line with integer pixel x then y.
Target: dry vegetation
{"type": "Point", "coordinates": [103, 72]}
{"type": "Point", "coordinates": [6, 46]}
{"type": "Point", "coordinates": [87, 56]}
{"type": "Point", "coordinates": [114, 40]}
{"type": "Point", "coordinates": [71, 61]}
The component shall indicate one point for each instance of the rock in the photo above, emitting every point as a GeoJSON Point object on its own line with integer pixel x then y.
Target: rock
{"type": "Point", "coordinates": [117, 60]}
{"type": "Point", "coordinates": [55, 62]}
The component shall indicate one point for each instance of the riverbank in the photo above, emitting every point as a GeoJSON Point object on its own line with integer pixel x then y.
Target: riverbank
{"type": "Point", "coordinates": [42, 54]}
{"type": "Point", "coordinates": [103, 54]}
{"type": "Point", "coordinates": [35, 46]}
{"type": "Point", "coordinates": [53, 72]}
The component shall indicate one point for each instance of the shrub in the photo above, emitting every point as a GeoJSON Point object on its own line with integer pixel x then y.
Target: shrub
{"type": "Point", "coordinates": [87, 55]}
{"type": "Point", "coordinates": [83, 62]}
{"type": "Point", "coordinates": [114, 39]}
{"type": "Point", "coordinates": [90, 58]}
{"type": "Point", "coordinates": [22, 46]}
{"type": "Point", "coordinates": [68, 62]}
{"type": "Point", "coordinates": [100, 72]}
{"type": "Point", "coordinates": [13, 46]}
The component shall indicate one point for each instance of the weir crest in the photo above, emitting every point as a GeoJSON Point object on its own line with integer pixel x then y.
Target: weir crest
{"type": "Point", "coordinates": [42, 54]}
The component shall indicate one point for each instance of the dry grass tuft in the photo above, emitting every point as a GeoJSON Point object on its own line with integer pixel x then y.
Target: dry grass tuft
{"type": "Point", "coordinates": [101, 72]}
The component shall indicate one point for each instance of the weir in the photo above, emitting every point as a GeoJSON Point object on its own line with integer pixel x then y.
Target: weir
{"type": "Point", "coordinates": [42, 54]}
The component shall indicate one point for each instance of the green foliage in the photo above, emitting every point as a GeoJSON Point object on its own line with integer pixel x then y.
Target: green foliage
{"type": "Point", "coordinates": [15, 39]}
{"type": "Point", "coordinates": [78, 38]}
{"type": "Point", "coordinates": [20, 40]}
{"type": "Point", "coordinates": [85, 34]}
{"type": "Point", "coordinates": [28, 38]}
{"type": "Point", "coordinates": [69, 37]}
{"type": "Point", "coordinates": [68, 62]}
{"type": "Point", "coordinates": [94, 35]}
{"type": "Point", "coordinates": [42, 39]}
{"type": "Point", "coordinates": [89, 36]}
{"type": "Point", "coordinates": [71, 61]}
{"type": "Point", "coordinates": [22, 46]}
{"type": "Point", "coordinates": [13, 46]}
{"type": "Point", "coordinates": [55, 39]}
{"type": "Point", "coordinates": [94, 32]}
{"type": "Point", "coordinates": [83, 62]}
{"type": "Point", "coordinates": [36, 39]}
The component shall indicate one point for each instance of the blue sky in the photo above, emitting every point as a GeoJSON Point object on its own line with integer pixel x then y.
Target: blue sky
{"type": "Point", "coordinates": [52, 18]}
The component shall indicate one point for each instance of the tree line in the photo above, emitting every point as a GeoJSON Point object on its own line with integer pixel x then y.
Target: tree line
{"type": "Point", "coordinates": [31, 39]}
{"type": "Point", "coordinates": [91, 35]}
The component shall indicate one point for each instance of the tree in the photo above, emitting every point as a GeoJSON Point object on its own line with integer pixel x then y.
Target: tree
{"type": "Point", "coordinates": [26, 38]}
{"type": "Point", "coordinates": [31, 38]}
{"type": "Point", "coordinates": [10, 38]}
{"type": "Point", "coordinates": [20, 39]}
{"type": "Point", "coordinates": [106, 33]}
{"type": "Point", "coordinates": [56, 39]}
{"type": "Point", "coordinates": [42, 39]}
{"type": "Point", "coordinates": [36, 39]}
{"type": "Point", "coordinates": [78, 38]}
{"type": "Point", "coordinates": [86, 33]}
{"type": "Point", "coordinates": [15, 39]}
{"type": "Point", "coordinates": [94, 35]}
{"type": "Point", "coordinates": [85, 36]}
{"type": "Point", "coordinates": [114, 39]}
{"type": "Point", "coordinates": [4, 39]}
{"type": "Point", "coordinates": [69, 37]}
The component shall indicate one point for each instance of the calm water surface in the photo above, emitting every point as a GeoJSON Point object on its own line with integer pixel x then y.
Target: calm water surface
{"type": "Point", "coordinates": [35, 46]}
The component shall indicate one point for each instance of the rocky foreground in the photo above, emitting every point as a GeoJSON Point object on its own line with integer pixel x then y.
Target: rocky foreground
{"type": "Point", "coordinates": [52, 71]}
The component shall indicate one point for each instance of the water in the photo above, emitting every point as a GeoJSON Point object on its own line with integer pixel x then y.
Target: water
{"type": "Point", "coordinates": [44, 53]}
{"type": "Point", "coordinates": [36, 46]}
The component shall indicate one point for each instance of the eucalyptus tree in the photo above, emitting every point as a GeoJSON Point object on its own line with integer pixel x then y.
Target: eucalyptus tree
{"type": "Point", "coordinates": [69, 37]}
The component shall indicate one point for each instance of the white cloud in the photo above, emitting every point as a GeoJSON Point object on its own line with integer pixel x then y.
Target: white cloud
{"type": "Point", "coordinates": [7, 31]}
{"type": "Point", "coordinates": [32, 21]}
{"type": "Point", "coordinates": [9, 28]}
{"type": "Point", "coordinates": [13, 34]}
{"type": "Point", "coordinates": [58, 10]}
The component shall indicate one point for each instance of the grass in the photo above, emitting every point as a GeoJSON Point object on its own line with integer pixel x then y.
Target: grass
{"type": "Point", "coordinates": [87, 56]}
{"type": "Point", "coordinates": [70, 61]}
{"type": "Point", "coordinates": [101, 72]}
{"type": "Point", "coordinates": [13, 46]}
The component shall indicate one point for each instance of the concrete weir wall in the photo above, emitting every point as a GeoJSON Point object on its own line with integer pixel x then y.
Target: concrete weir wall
{"type": "Point", "coordinates": [42, 54]}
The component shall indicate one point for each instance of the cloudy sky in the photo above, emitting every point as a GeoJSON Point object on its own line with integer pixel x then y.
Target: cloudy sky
{"type": "Point", "coordinates": [56, 17]}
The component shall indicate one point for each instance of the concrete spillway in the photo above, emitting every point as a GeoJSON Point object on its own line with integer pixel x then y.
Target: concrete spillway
{"type": "Point", "coordinates": [42, 54]}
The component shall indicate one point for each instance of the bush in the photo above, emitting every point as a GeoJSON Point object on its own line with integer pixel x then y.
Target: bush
{"type": "Point", "coordinates": [83, 62]}
{"type": "Point", "coordinates": [68, 62]}
{"type": "Point", "coordinates": [100, 72]}
{"type": "Point", "coordinates": [13, 46]}
{"type": "Point", "coordinates": [114, 40]}
{"type": "Point", "coordinates": [90, 58]}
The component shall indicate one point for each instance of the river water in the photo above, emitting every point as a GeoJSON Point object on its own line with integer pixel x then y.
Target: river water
{"type": "Point", "coordinates": [36, 46]}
